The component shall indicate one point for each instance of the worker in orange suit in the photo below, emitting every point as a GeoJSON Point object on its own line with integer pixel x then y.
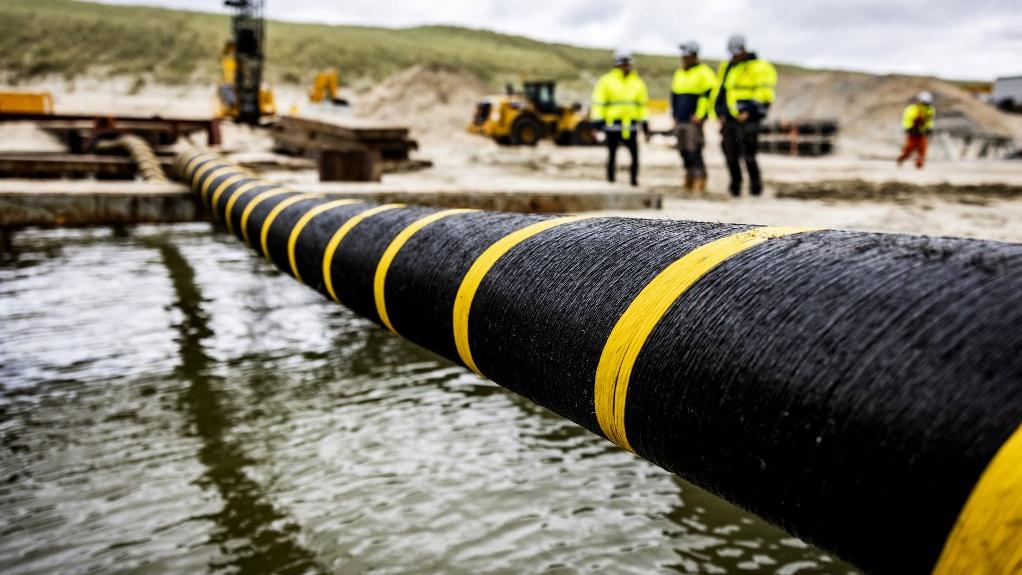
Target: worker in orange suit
{"type": "Point", "coordinates": [918, 124]}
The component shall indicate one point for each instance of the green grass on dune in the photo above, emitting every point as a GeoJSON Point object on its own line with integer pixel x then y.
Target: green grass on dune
{"type": "Point", "coordinates": [69, 38]}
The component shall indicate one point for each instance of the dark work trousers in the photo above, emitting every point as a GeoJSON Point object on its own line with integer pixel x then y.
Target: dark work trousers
{"type": "Point", "coordinates": [740, 140]}
{"type": "Point", "coordinates": [690, 144]}
{"type": "Point", "coordinates": [614, 139]}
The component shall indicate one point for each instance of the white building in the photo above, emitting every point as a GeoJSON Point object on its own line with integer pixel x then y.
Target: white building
{"type": "Point", "coordinates": [1008, 89]}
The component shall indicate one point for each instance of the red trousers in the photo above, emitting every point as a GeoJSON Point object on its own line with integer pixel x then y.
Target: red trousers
{"type": "Point", "coordinates": [914, 143]}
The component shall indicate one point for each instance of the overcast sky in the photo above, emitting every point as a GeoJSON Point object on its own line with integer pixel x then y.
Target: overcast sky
{"type": "Point", "coordinates": [978, 39]}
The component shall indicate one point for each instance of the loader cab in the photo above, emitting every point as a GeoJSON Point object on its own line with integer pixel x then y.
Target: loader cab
{"type": "Point", "coordinates": [542, 96]}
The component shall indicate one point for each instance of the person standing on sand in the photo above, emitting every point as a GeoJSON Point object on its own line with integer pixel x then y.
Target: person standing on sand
{"type": "Point", "coordinates": [690, 104]}
{"type": "Point", "coordinates": [619, 108]}
{"type": "Point", "coordinates": [917, 120]}
{"type": "Point", "coordinates": [741, 99]}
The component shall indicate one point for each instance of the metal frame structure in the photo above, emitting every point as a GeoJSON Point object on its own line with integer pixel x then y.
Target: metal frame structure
{"type": "Point", "coordinates": [248, 27]}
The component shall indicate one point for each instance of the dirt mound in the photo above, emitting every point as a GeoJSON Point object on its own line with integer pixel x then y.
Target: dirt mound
{"type": "Point", "coordinates": [432, 100]}
{"type": "Point", "coordinates": [869, 107]}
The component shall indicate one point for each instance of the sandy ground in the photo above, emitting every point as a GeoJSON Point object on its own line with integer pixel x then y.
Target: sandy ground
{"type": "Point", "coordinates": [974, 198]}
{"type": "Point", "coordinates": [946, 198]}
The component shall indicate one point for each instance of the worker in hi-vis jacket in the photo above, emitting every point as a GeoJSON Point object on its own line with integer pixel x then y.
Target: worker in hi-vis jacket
{"type": "Point", "coordinates": [917, 120]}
{"type": "Point", "coordinates": [744, 92]}
{"type": "Point", "coordinates": [619, 108]}
{"type": "Point", "coordinates": [690, 105]}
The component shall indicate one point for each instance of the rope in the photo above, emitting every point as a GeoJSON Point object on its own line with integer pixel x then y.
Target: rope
{"type": "Point", "coordinates": [141, 154]}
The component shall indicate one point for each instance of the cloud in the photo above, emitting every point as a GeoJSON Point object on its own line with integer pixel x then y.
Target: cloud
{"type": "Point", "coordinates": [978, 39]}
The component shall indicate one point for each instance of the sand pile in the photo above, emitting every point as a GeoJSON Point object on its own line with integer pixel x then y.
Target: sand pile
{"type": "Point", "coordinates": [435, 101]}
{"type": "Point", "coordinates": [869, 107]}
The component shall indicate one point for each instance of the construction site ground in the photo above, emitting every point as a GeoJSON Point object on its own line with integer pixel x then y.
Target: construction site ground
{"type": "Point", "coordinates": [977, 198]}
{"type": "Point", "coordinates": [858, 188]}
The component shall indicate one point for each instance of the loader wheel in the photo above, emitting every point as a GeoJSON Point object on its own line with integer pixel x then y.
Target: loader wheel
{"type": "Point", "coordinates": [565, 138]}
{"type": "Point", "coordinates": [584, 135]}
{"type": "Point", "coordinates": [526, 131]}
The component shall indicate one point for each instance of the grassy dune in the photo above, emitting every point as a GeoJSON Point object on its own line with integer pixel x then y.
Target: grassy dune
{"type": "Point", "coordinates": [68, 38]}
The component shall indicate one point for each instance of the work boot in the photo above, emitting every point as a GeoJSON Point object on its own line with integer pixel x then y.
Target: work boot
{"type": "Point", "coordinates": [699, 186]}
{"type": "Point", "coordinates": [689, 182]}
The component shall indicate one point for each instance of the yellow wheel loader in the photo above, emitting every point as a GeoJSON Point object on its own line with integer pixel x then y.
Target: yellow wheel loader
{"type": "Point", "coordinates": [326, 88]}
{"type": "Point", "coordinates": [524, 118]}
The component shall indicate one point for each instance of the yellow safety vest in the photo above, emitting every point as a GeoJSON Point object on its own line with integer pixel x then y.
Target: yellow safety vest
{"type": "Point", "coordinates": [620, 99]}
{"type": "Point", "coordinates": [918, 117]}
{"type": "Point", "coordinates": [230, 66]}
{"type": "Point", "coordinates": [695, 83]}
{"type": "Point", "coordinates": [752, 79]}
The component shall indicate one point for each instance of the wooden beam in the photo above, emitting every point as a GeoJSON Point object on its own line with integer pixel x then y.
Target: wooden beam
{"type": "Point", "coordinates": [56, 166]}
{"type": "Point", "coordinates": [345, 128]}
{"type": "Point", "coordinates": [166, 129]}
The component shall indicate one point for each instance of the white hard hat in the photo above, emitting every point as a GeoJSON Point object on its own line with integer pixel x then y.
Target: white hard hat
{"type": "Point", "coordinates": [622, 56]}
{"type": "Point", "coordinates": [689, 48]}
{"type": "Point", "coordinates": [736, 44]}
{"type": "Point", "coordinates": [925, 97]}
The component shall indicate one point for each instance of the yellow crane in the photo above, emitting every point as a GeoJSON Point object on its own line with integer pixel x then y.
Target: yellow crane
{"type": "Point", "coordinates": [241, 95]}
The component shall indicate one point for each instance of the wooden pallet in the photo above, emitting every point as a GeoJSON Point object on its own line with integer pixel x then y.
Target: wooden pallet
{"type": "Point", "coordinates": [798, 138]}
{"type": "Point", "coordinates": [368, 148]}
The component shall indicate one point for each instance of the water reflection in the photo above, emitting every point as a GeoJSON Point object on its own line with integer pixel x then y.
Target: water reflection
{"type": "Point", "coordinates": [252, 534]}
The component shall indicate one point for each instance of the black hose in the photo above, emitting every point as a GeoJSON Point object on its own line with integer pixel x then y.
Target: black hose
{"type": "Point", "coordinates": [849, 387]}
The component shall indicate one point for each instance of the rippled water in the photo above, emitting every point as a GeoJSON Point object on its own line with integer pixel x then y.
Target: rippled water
{"type": "Point", "coordinates": [169, 403]}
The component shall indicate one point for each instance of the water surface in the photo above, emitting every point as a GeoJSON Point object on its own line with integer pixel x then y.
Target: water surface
{"type": "Point", "coordinates": [171, 404]}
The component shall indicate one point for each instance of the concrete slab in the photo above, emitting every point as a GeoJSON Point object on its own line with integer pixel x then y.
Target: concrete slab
{"type": "Point", "coordinates": [90, 202]}
{"type": "Point", "coordinates": [26, 203]}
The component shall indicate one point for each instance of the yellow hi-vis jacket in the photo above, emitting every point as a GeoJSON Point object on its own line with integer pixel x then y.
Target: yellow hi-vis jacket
{"type": "Point", "coordinates": [230, 67]}
{"type": "Point", "coordinates": [749, 80]}
{"type": "Point", "coordinates": [691, 91]}
{"type": "Point", "coordinates": [918, 118]}
{"type": "Point", "coordinates": [620, 100]}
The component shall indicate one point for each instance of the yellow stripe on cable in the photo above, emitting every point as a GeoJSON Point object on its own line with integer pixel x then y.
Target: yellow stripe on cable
{"type": "Point", "coordinates": [987, 537]}
{"type": "Point", "coordinates": [204, 191]}
{"type": "Point", "coordinates": [199, 170]}
{"type": "Point", "coordinates": [229, 208]}
{"type": "Point", "coordinates": [268, 222]}
{"type": "Point", "coordinates": [379, 281]}
{"type": "Point", "coordinates": [200, 156]}
{"type": "Point", "coordinates": [335, 241]}
{"type": "Point", "coordinates": [249, 207]}
{"type": "Point", "coordinates": [219, 190]}
{"type": "Point", "coordinates": [184, 171]}
{"type": "Point", "coordinates": [296, 231]}
{"type": "Point", "coordinates": [644, 313]}
{"type": "Point", "coordinates": [475, 275]}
